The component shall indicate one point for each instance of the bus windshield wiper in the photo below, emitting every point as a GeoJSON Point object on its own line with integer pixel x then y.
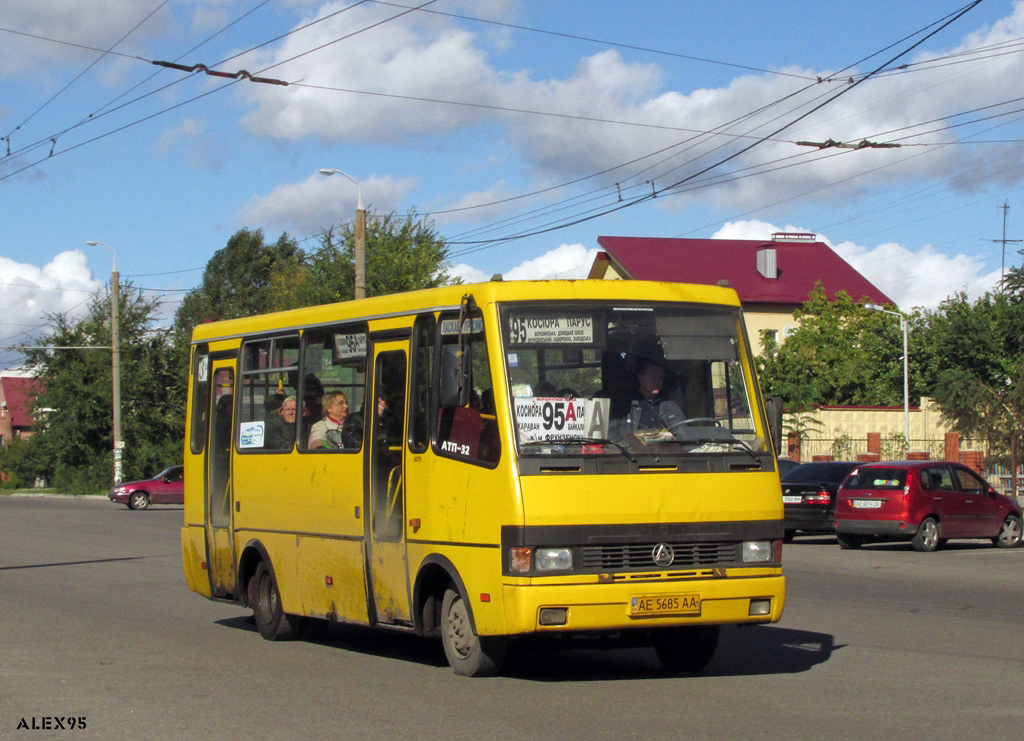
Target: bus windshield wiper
{"type": "Point", "coordinates": [584, 441]}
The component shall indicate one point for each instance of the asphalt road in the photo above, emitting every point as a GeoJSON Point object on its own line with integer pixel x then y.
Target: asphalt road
{"type": "Point", "coordinates": [96, 624]}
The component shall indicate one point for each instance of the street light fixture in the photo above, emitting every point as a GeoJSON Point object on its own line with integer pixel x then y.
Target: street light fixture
{"type": "Point", "coordinates": [115, 362]}
{"type": "Point", "coordinates": [906, 375]}
{"type": "Point", "coordinates": [360, 257]}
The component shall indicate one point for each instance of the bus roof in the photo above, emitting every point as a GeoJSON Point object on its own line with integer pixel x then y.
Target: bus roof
{"type": "Point", "coordinates": [449, 297]}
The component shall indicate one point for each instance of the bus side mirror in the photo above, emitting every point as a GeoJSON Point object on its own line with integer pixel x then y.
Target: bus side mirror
{"type": "Point", "coordinates": [773, 407]}
{"type": "Point", "coordinates": [455, 379]}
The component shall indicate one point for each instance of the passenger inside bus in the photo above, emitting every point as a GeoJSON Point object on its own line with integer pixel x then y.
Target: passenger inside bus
{"type": "Point", "coordinates": [281, 425]}
{"type": "Point", "coordinates": [327, 433]}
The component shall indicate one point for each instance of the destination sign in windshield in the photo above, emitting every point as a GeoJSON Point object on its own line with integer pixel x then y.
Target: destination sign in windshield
{"type": "Point", "coordinates": [551, 329]}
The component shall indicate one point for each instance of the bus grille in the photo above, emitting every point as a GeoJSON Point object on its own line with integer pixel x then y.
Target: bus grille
{"type": "Point", "coordinates": [639, 556]}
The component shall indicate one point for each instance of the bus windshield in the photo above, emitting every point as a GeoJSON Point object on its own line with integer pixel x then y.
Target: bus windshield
{"type": "Point", "coordinates": [611, 379]}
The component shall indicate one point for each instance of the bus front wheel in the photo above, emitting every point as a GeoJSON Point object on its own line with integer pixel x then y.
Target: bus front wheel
{"type": "Point", "coordinates": [469, 654]}
{"type": "Point", "coordinates": [687, 649]}
{"type": "Point", "coordinates": [265, 599]}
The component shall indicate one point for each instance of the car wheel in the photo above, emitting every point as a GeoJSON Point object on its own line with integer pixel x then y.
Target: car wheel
{"type": "Point", "coordinates": [1009, 534]}
{"type": "Point", "coordinates": [928, 535]}
{"type": "Point", "coordinates": [265, 599]}
{"type": "Point", "coordinates": [469, 654]}
{"type": "Point", "coordinates": [686, 649]}
{"type": "Point", "coordinates": [138, 500]}
{"type": "Point", "coordinates": [849, 542]}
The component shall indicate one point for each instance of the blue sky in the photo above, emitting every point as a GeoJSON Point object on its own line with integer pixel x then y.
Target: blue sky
{"type": "Point", "coordinates": [515, 124]}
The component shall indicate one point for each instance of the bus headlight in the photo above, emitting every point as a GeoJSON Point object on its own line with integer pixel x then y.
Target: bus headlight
{"type": "Point", "coordinates": [757, 551]}
{"type": "Point", "coordinates": [553, 559]}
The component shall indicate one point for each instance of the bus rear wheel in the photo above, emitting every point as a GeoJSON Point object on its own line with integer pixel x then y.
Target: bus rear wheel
{"type": "Point", "coordinates": [265, 599]}
{"type": "Point", "coordinates": [468, 654]}
{"type": "Point", "coordinates": [687, 649]}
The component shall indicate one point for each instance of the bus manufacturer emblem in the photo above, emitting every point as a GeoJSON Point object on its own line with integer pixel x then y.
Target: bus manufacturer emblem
{"type": "Point", "coordinates": [663, 554]}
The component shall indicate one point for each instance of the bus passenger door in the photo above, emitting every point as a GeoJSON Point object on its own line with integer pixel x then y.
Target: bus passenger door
{"type": "Point", "coordinates": [219, 536]}
{"type": "Point", "coordinates": [384, 436]}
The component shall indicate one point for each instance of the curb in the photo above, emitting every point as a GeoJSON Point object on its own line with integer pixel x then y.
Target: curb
{"type": "Point", "coordinates": [28, 494]}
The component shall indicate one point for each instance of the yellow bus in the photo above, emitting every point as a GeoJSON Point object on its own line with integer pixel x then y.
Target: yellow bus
{"type": "Point", "coordinates": [505, 469]}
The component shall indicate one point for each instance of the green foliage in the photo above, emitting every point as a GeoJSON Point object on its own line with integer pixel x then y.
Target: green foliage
{"type": "Point", "coordinates": [73, 441]}
{"type": "Point", "coordinates": [840, 353]}
{"type": "Point", "coordinates": [894, 447]}
{"type": "Point", "coordinates": [236, 282]}
{"type": "Point", "coordinates": [801, 422]}
{"type": "Point", "coordinates": [974, 363]}
{"type": "Point", "coordinates": [403, 253]}
{"type": "Point", "coordinates": [20, 463]}
{"type": "Point", "coordinates": [842, 447]}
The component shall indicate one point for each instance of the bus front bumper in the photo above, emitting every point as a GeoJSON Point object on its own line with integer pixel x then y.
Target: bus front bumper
{"type": "Point", "coordinates": [534, 608]}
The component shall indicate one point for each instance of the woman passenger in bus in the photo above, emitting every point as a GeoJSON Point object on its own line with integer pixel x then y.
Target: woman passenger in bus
{"type": "Point", "coordinates": [327, 432]}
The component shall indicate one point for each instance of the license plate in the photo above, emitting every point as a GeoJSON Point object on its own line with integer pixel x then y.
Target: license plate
{"type": "Point", "coordinates": [665, 604]}
{"type": "Point", "coordinates": [792, 500]}
{"type": "Point", "coordinates": [867, 503]}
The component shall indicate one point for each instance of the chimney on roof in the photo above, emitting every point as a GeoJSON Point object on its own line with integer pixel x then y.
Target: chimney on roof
{"type": "Point", "coordinates": [794, 237]}
{"type": "Point", "coordinates": [767, 263]}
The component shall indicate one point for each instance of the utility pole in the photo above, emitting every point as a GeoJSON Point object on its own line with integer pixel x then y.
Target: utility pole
{"type": "Point", "coordinates": [1002, 267]}
{"type": "Point", "coordinates": [360, 235]}
{"type": "Point", "coordinates": [115, 362]}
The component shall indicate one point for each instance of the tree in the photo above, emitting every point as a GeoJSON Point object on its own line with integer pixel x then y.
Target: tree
{"type": "Point", "coordinates": [840, 353]}
{"type": "Point", "coordinates": [73, 441]}
{"type": "Point", "coordinates": [973, 362]}
{"type": "Point", "coordinates": [403, 253]}
{"type": "Point", "coordinates": [237, 281]}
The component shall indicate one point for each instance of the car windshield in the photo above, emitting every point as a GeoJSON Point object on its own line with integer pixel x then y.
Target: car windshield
{"type": "Point", "coordinates": [832, 473]}
{"type": "Point", "coordinates": [613, 380]}
{"type": "Point", "coordinates": [877, 478]}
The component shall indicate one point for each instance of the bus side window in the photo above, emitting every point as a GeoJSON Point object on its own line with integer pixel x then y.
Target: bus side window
{"type": "Point", "coordinates": [269, 378]}
{"type": "Point", "coordinates": [469, 432]}
{"type": "Point", "coordinates": [422, 373]}
{"type": "Point", "coordinates": [333, 370]}
{"type": "Point", "coordinates": [200, 399]}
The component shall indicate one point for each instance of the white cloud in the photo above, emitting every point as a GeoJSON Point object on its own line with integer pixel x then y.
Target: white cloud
{"type": "Point", "coordinates": [200, 150]}
{"type": "Point", "coordinates": [428, 56]}
{"type": "Point", "coordinates": [95, 23]}
{"type": "Point", "coordinates": [911, 278]}
{"type": "Point", "coordinates": [567, 262]}
{"type": "Point", "coordinates": [28, 293]}
{"type": "Point", "coordinates": [319, 201]}
{"type": "Point", "coordinates": [923, 277]}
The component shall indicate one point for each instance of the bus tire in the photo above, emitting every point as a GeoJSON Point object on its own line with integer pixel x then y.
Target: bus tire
{"type": "Point", "coordinates": [686, 650]}
{"type": "Point", "coordinates": [468, 654]}
{"type": "Point", "coordinates": [271, 621]}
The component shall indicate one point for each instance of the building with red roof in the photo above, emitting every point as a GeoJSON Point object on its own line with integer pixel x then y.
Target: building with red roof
{"type": "Point", "coordinates": [17, 395]}
{"type": "Point", "coordinates": [772, 277]}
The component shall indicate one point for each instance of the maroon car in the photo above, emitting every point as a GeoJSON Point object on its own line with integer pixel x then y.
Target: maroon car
{"type": "Point", "coordinates": [167, 487]}
{"type": "Point", "coordinates": [925, 502]}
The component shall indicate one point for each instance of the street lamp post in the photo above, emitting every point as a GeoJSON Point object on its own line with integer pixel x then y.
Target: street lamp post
{"type": "Point", "coordinates": [115, 362]}
{"type": "Point", "coordinates": [360, 257]}
{"type": "Point", "coordinates": [906, 375]}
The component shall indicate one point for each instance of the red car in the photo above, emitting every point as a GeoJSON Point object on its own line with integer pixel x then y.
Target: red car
{"type": "Point", "coordinates": [925, 502]}
{"type": "Point", "coordinates": [167, 487]}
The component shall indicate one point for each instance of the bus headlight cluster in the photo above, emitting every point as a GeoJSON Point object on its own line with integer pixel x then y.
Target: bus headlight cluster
{"type": "Point", "coordinates": [757, 551]}
{"type": "Point", "coordinates": [553, 559]}
{"type": "Point", "coordinates": [522, 560]}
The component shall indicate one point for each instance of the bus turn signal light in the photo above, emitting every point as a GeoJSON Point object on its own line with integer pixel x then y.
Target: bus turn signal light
{"type": "Point", "coordinates": [520, 560]}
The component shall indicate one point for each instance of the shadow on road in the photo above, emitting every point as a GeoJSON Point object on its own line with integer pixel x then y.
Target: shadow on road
{"type": "Point", "coordinates": [747, 651]}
